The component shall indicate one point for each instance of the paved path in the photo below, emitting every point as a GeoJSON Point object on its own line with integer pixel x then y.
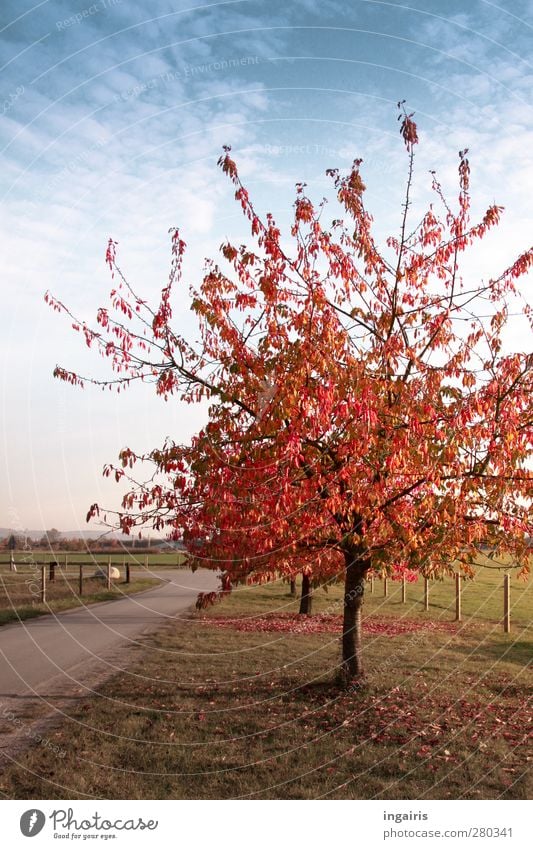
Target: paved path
{"type": "Point", "coordinates": [55, 652]}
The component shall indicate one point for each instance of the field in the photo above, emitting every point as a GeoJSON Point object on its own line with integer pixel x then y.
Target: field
{"type": "Point", "coordinates": [136, 559]}
{"type": "Point", "coordinates": [20, 593]}
{"type": "Point", "coordinates": [481, 598]}
{"type": "Point", "coordinates": [230, 704]}
{"type": "Point", "coordinates": [20, 590]}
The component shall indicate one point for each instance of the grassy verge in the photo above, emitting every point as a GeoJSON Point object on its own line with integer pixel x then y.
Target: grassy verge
{"type": "Point", "coordinates": [211, 711]}
{"type": "Point", "coordinates": [62, 596]}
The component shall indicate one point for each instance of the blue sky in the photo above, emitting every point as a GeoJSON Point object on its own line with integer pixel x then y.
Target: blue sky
{"type": "Point", "coordinates": [113, 116]}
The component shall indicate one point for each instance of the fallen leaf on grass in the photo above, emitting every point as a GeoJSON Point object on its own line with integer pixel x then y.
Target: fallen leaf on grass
{"type": "Point", "coordinates": [326, 623]}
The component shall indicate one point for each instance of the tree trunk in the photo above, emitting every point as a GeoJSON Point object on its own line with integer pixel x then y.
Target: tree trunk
{"type": "Point", "coordinates": [357, 565]}
{"type": "Point", "coordinates": [306, 599]}
{"type": "Point", "coordinates": [293, 587]}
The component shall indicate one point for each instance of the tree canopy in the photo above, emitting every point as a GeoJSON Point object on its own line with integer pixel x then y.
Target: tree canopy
{"type": "Point", "coordinates": [363, 411]}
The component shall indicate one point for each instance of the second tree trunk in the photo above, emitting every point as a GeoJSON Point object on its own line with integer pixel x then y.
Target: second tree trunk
{"type": "Point", "coordinates": [306, 599]}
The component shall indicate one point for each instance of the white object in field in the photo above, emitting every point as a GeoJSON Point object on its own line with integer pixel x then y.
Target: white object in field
{"type": "Point", "coordinates": [101, 572]}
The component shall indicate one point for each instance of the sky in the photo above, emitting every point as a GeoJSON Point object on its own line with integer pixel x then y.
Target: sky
{"type": "Point", "coordinates": [113, 115]}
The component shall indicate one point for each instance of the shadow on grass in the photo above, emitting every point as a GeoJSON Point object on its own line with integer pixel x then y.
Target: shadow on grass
{"type": "Point", "coordinates": [519, 651]}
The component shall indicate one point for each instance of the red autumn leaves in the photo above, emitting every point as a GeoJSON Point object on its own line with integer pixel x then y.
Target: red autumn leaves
{"type": "Point", "coordinates": [363, 415]}
{"type": "Point", "coordinates": [323, 623]}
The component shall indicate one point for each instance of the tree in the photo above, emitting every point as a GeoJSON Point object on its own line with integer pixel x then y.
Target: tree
{"type": "Point", "coordinates": [363, 413]}
{"type": "Point", "coordinates": [306, 598]}
{"type": "Point", "coordinates": [51, 538]}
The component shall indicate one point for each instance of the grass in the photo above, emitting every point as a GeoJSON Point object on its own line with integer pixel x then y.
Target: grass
{"type": "Point", "coordinates": [209, 712]}
{"type": "Point", "coordinates": [25, 559]}
{"type": "Point", "coordinates": [19, 593]}
{"type": "Point", "coordinates": [481, 598]}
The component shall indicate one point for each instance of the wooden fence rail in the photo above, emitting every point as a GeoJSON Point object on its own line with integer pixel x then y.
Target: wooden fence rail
{"type": "Point", "coordinates": [48, 570]}
{"type": "Point", "coordinates": [40, 574]}
{"type": "Point", "coordinates": [40, 578]}
{"type": "Point", "coordinates": [95, 563]}
{"type": "Point", "coordinates": [458, 581]}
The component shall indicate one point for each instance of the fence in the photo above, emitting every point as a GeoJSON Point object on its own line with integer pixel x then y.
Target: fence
{"type": "Point", "coordinates": [40, 575]}
{"type": "Point", "coordinates": [505, 591]}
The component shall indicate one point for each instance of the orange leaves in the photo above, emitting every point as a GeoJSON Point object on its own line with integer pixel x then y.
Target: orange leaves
{"type": "Point", "coordinates": [409, 132]}
{"type": "Point", "coordinates": [431, 230]}
{"type": "Point", "coordinates": [348, 401]}
{"type": "Point", "coordinates": [304, 210]}
{"type": "Point", "coordinates": [119, 303]}
{"type": "Point", "coordinates": [227, 164]}
{"type": "Point", "coordinates": [127, 457]}
{"type": "Point", "coordinates": [178, 246]}
{"type": "Point", "coordinates": [468, 380]}
{"type": "Point", "coordinates": [56, 305]}
{"type": "Point", "coordinates": [166, 383]}
{"type": "Point", "coordinates": [94, 510]}
{"type": "Point", "coordinates": [408, 128]}
{"type": "Point", "coordinates": [110, 256]}
{"type": "Point", "coordinates": [206, 600]}
{"type": "Point", "coordinates": [102, 317]}
{"type": "Point", "coordinates": [229, 251]}
{"type": "Point", "coordinates": [111, 470]}
{"type": "Point", "coordinates": [464, 173]}
{"type": "Point", "coordinates": [68, 376]}
{"type": "Point", "coordinates": [521, 265]}
{"type": "Point", "coordinates": [490, 219]}
{"type": "Point", "coordinates": [242, 196]}
{"type": "Point", "coordinates": [322, 623]}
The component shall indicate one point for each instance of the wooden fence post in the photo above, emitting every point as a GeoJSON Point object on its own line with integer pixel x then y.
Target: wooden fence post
{"type": "Point", "coordinates": [108, 576]}
{"type": "Point", "coordinates": [52, 570]}
{"type": "Point", "coordinates": [371, 583]}
{"type": "Point", "coordinates": [146, 561]}
{"type": "Point", "coordinates": [457, 598]}
{"type": "Point", "coordinates": [506, 603]}
{"type": "Point", "coordinates": [12, 564]}
{"type": "Point", "coordinates": [404, 590]}
{"type": "Point", "coordinates": [43, 583]}
{"type": "Point", "coordinates": [385, 586]}
{"type": "Point", "coordinates": [80, 587]}
{"type": "Point", "coordinates": [426, 593]}
{"type": "Point", "coordinates": [128, 575]}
